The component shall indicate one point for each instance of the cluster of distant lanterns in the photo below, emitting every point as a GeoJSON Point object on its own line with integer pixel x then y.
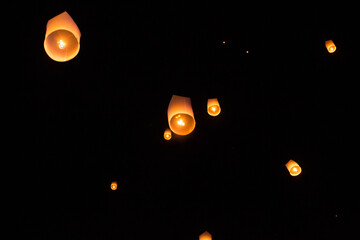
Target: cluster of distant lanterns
{"type": "Point", "coordinates": [62, 43]}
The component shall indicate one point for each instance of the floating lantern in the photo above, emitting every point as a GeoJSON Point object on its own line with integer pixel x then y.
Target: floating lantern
{"type": "Point", "coordinates": [330, 46]}
{"type": "Point", "coordinates": [213, 107]}
{"type": "Point", "coordinates": [293, 167]}
{"type": "Point", "coordinates": [62, 38]}
{"type": "Point", "coordinates": [113, 186]}
{"type": "Point", "coordinates": [205, 236]}
{"type": "Point", "coordinates": [180, 115]}
{"type": "Point", "coordinates": [167, 134]}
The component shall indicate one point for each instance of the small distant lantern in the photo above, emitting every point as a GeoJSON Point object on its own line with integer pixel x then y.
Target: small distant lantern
{"type": "Point", "coordinates": [167, 134]}
{"type": "Point", "coordinates": [180, 115]}
{"type": "Point", "coordinates": [113, 186]}
{"type": "Point", "coordinates": [213, 107]}
{"type": "Point", "coordinates": [293, 168]}
{"type": "Point", "coordinates": [205, 236]}
{"type": "Point", "coordinates": [330, 46]}
{"type": "Point", "coordinates": [62, 38]}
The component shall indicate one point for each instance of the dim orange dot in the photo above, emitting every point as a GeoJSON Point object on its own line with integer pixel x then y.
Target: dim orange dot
{"type": "Point", "coordinates": [223, 42]}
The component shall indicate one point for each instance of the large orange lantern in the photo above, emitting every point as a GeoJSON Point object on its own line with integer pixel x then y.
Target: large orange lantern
{"type": "Point", "coordinates": [293, 168]}
{"type": "Point", "coordinates": [180, 115]}
{"type": "Point", "coordinates": [330, 46]}
{"type": "Point", "coordinates": [62, 38]}
{"type": "Point", "coordinates": [167, 134]}
{"type": "Point", "coordinates": [113, 186]}
{"type": "Point", "coordinates": [213, 107]}
{"type": "Point", "coordinates": [205, 236]}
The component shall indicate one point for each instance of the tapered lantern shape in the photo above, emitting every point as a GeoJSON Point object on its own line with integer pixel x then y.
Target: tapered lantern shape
{"type": "Point", "coordinates": [113, 186]}
{"type": "Point", "coordinates": [167, 134]}
{"type": "Point", "coordinates": [205, 236]}
{"type": "Point", "coordinates": [293, 168]}
{"type": "Point", "coordinates": [330, 46]}
{"type": "Point", "coordinates": [62, 38]}
{"type": "Point", "coordinates": [180, 115]}
{"type": "Point", "coordinates": [213, 107]}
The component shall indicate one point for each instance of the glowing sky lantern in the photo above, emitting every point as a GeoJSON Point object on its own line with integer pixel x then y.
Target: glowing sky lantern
{"type": "Point", "coordinates": [213, 107]}
{"type": "Point", "coordinates": [330, 46]}
{"type": "Point", "coordinates": [113, 186]}
{"type": "Point", "coordinates": [205, 236]}
{"type": "Point", "coordinates": [167, 134]}
{"type": "Point", "coordinates": [180, 115]}
{"type": "Point", "coordinates": [293, 168]}
{"type": "Point", "coordinates": [62, 38]}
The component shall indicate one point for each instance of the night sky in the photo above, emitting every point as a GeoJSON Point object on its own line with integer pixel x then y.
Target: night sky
{"type": "Point", "coordinates": [100, 117]}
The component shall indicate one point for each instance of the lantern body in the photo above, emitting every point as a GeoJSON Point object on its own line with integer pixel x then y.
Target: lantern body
{"type": "Point", "coordinates": [167, 134]}
{"type": "Point", "coordinates": [213, 107]}
{"type": "Point", "coordinates": [205, 236]}
{"type": "Point", "coordinates": [180, 115]}
{"type": "Point", "coordinates": [330, 46]}
{"type": "Point", "coordinates": [62, 38]}
{"type": "Point", "coordinates": [113, 186]}
{"type": "Point", "coordinates": [293, 168]}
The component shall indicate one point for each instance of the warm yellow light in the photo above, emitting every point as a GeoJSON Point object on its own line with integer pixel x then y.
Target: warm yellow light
{"type": "Point", "coordinates": [180, 115]}
{"type": "Point", "coordinates": [330, 46]}
{"type": "Point", "coordinates": [213, 107]}
{"type": "Point", "coordinates": [205, 236]}
{"type": "Point", "coordinates": [62, 38]}
{"type": "Point", "coordinates": [61, 44]}
{"type": "Point", "coordinates": [167, 134]}
{"type": "Point", "coordinates": [223, 42]}
{"type": "Point", "coordinates": [293, 168]}
{"type": "Point", "coordinates": [247, 51]}
{"type": "Point", "coordinates": [113, 186]}
{"type": "Point", "coordinates": [180, 122]}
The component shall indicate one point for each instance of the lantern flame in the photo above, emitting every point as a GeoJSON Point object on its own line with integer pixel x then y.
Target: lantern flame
{"type": "Point", "coordinates": [61, 44]}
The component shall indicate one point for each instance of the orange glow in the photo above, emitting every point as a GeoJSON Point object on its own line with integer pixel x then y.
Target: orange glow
{"type": "Point", "coordinates": [330, 46]}
{"type": "Point", "coordinates": [293, 168]}
{"type": "Point", "coordinates": [205, 236]}
{"type": "Point", "coordinates": [113, 186]}
{"type": "Point", "coordinates": [167, 134]}
{"type": "Point", "coordinates": [223, 42]}
{"type": "Point", "coordinates": [213, 107]}
{"type": "Point", "coordinates": [62, 38]}
{"type": "Point", "coordinates": [180, 115]}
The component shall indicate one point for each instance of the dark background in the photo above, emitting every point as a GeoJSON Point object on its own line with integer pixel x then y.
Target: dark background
{"type": "Point", "coordinates": [79, 125]}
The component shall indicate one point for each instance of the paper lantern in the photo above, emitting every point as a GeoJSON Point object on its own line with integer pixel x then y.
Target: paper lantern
{"type": "Point", "coordinates": [213, 107]}
{"type": "Point", "coordinates": [330, 46]}
{"type": "Point", "coordinates": [205, 236]}
{"type": "Point", "coordinates": [62, 38]}
{"type": "Point", "coordinates": [167, 134]}
{"type": "Point", "coordinates": [293, 168]}
{"type": "Point", "coordinates": [113, 186]}
{"type": "Point", "coordinates": [180, 115]}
